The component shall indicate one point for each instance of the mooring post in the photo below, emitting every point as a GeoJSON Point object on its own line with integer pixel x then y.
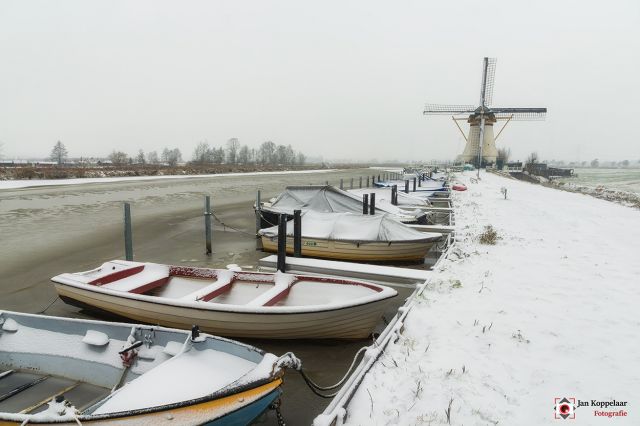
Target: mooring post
{"type": "Point", "coordinates": [414, 184]}
{"type": "Point", "coordinates": [282, 242]}
{"type": "Point", "coordinates": [258, 213]}
{"type": "Point", "coordinates": [373, 180]}
{"type": "Point", "coordinates": [394, 195]}
{"type": "Point", "coordinates": [360, 181]}
{"type": "Point", "coordinates": [341, 186]}
{"type": "Point", "coordinates": [326, 182]}
{"type": "Point", "coordinates": [367, 181]}
{"type": "Point", "coordinates": [378, 178]}
{"type": "Point", "coordinates": [207, 223]}
{"type": "Point", "coordinates": [351, 186]}
{"type": "Point", "coordinates": [406, 186]}
{"type": "Point", "coordinates": [372, 205]}
{"type": "Point", "coordinates": [420, 180]}
{"type": "Point", "coordinates": [365, 203]}
{"type": "Point", "coordinates": [128, 236]}
{"type": "Point", "coordinates": [297, 233]}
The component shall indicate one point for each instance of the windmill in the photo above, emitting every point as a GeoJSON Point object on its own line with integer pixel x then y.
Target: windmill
{"type": "Point", "coordinates": [481, 147]}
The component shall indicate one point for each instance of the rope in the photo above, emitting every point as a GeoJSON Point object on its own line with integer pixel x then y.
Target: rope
{"type": "Point", "coordinates": [49, 305]}
{"type": "Point", "coordinates": [231, 227]}
{"type": "Point", "coordinates": [316, 387]}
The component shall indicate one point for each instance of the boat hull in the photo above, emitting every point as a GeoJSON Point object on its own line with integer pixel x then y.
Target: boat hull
{"type": "Point", "coordinates": [354, 322]}
{"type": "Point", "coordinates": [238, 409]}
{"type": "Point", "coordinates": [353, 251]}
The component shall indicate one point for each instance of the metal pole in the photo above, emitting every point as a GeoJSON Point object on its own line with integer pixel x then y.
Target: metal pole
{"type": "Point", "coordinates": [341, 186]}
{"type": "Point", "coordinates": [351, 186]}
{"type": "Point", "coordinates": [282, 242]}
{"type": "Point", "coordinates": [297, 233]}
{"type": "Point", "coordinates": [258, 214]}
{"type": "Point", "coordinates": [406, 186]}
{"type": "Point", "coordinates": [365, 203]}
{"type": "Point", "coordinates": [128, 235]}
{"type": "Point", "coordinates": [414, 184]}
{"type": "Point", "coordinates": [360, 181]}
{"type": "Point", "coordinates": [207, 223]}
{"type": "Point", "coordinates": [367, 181]}
{"type": "Point", "coordinates": [372, 206]}
{"type": "Point", "coordinates": [394, 195]}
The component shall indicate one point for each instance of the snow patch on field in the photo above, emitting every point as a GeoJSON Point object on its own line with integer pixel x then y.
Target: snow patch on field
{"type": "Point", "coordinates": [550, 310]}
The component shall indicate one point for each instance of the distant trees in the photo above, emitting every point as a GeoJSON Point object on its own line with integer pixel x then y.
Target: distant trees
{"type": "Point", "coordinates": [59, 153]}
{"type": "Point", "coordinates": [152, 157]}
{"type": "Point", "coordinates": [503, 157]}
{"type": "Point", "coordinates": [140, 158]}
{"type": "Point", "coordinates": [118, 158]}
{"type": "Point", "coordinates": [595, 162]}
{"type": "Point", "coordinates": [171, 156]}
{"type": "Point", "coordinates": [236, 153]}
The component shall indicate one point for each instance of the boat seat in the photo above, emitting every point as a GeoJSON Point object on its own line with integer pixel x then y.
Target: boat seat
{"type": "Point", "coordinates": [139, 283]}
{"type": "Point", "coordinates": [216, 288]}
{"type": "Point", "coordinates": [273, 295]}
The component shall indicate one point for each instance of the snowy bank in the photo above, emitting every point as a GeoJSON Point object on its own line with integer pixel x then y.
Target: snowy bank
{"type": "Point", "coordinates": [26, 183]}
{"type": "Point", "coordinates": [549, 311]}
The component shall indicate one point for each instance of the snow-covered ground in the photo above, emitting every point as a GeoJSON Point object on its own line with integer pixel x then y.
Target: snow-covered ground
{"type": "Point", "coordinates": [550, 311]}
{"type": "Point", "coordinates": [26, 183]}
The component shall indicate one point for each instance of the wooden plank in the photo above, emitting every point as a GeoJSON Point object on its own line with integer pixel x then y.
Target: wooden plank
{"type": "Point", "coordinates": [352, 270]}
{"type": "Point", "coordinates": [21, 388]}
{"type": "Point", "coordinates": [49, 398]}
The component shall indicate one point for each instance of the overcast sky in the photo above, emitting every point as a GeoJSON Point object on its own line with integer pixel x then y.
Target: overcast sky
{"type": "Point", "coordinates": [339, 79]}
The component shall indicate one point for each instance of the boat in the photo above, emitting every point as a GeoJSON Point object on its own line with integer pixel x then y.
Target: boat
{"type": "Point", "coordinates": [229, 303]}
{"type": "Point", "coordinates": [459, 187]}
{"type": "Point", "coordinates": [71, 371]}
{"type": "Point", "coordinates": [352, 237]}
{"type": "Point", "coordinates": [326, 199]}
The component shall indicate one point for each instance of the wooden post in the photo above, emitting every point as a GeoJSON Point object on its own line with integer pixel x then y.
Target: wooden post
{"type": "Point", "coordinates": [420, 180]}
{"type": "Point", "coordinates": [351, 186]}
{"type": "Point", "coordinates": [297, 233]}
{"type": "Point", "coordinates": [360, 181]}
{"type": "Point", "coordinates": [365, 203]}
{"type": "Point", "coordinates": [406, 186]}
{"type": "Point", "coordinates": [414, 184]}
{"type": "Point", "coordinates": [128, 235]}
{"type": "Point", "coordinates": [378, 178]}
{"type": "Point", "coordinates": [394, 195]}
{"type": "Point", "coordinates": [258, 212]}
{"type": "Point", "coordinates": [207, 224]}
{"type": "Point", "coordinates": [282, 242]}
{"type": "Point", "coordinates": [326, 183]}
{"type": "Point", "coordinates": [372, 205]}
{"type": "Point", "coordinates": [367, 181]}
{"type": "Point", "coordinates": [341, 186]}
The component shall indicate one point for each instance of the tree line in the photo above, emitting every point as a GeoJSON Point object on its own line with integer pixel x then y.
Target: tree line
{"type": "Point", "coordinates": [232, 153]}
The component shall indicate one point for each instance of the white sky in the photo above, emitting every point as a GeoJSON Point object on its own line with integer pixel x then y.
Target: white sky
{"type": "Point", "coordinates": [340, 79]}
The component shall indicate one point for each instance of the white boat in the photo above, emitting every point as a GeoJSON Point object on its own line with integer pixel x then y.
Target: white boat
{"type": "Point", "coordinates": [69, 371]}
{"type": "Point", "coordinates": [353, 237]}
{"type": "Point", "coordinates": [230, 303]}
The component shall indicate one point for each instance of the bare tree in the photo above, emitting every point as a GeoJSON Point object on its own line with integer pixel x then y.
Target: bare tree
{"type": "Point", "coordinates": [140, 158]}
{"type": "Point", "coordinates": [202, 153]}
{"type": "Point", "coordinates": [595, 163]}
{"type": "Point", "coordinates": [218, 155]}
{"type": "Point", "coordinates": [152, 157]}
{"type": "Point", "coordinates": [59, 153]}
{"type": "Point", "coordinates": [118, 158]}
{"type": "Point", "coordinates": [266, 152]}
{"type": "Point", "coordinates": [532, 158]}
{"type": "Point", "coordinates": [243, 155]}
{"type": "Point", "coordinates": [232, 150]}
{"type": "Point", "coordinates": [300, 159]}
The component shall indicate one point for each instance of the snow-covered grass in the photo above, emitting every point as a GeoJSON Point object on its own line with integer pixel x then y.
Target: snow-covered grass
{"type": "Point", "coordinates": [27, 183]}
{"type": "Point", "coordinates": [549, 311]}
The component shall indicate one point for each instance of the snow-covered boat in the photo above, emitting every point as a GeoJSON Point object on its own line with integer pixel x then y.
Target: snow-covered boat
{"type": "Point", "coordinates": [230, 303]}
{"type": "Point", "coordinates": [69, 371]}
{"type": "Point", "coordinates": [347, 236]}
{"type": "Point", "coordinates": [327, 199]}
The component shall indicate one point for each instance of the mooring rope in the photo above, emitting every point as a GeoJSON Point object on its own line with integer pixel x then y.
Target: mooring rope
{"type": "Point", "coordinates": [49, 305]}
{"type": "Point", "coordinates": [231, 227]}
{"type": "Point", "coordinates": [316, 388]}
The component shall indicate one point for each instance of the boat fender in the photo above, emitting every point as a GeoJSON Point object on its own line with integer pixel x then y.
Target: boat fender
{"type": "Point", "coordinates": [128, 354]}
{"type": "Point", "coordinates": [9, 325]}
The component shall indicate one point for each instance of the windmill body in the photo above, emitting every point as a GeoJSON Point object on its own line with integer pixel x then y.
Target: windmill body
{"type": "Point", "coordinates": [481, 148]}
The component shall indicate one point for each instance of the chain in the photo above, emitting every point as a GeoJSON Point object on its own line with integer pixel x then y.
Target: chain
{"type": "Point", "coordinates": [276, 406]}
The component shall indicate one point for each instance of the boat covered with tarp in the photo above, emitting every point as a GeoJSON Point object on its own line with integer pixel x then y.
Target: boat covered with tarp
{"type": "Point", "coordinates": [72, 371]}
{"type": "Point", "coordinates": [356, 237]}
{"type": "Point", "coordinates": [327, 199]}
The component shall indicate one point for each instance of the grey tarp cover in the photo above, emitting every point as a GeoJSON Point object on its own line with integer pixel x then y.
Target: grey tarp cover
{"type": "Point", "coordinates": [353, 227]}
{"type": "Point", "coordinates": [326, 198]}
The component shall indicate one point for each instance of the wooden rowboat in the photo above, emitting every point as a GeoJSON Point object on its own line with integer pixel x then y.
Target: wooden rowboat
{"type": "Point", "coordinates": [228, 303]}
{"type": "Point", "coordinates": [67, 372]}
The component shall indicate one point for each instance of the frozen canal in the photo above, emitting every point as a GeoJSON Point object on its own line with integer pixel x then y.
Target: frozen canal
{"type": "Point", "coordinates": [49, 230]}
